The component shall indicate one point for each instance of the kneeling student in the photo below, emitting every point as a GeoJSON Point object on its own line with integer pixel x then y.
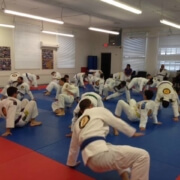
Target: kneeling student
{"type": "Point", "coordinates": [17, 113]}
{"type": "Point", "coordinates": [138, 111]}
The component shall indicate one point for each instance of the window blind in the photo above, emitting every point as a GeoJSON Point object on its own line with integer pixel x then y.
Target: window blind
{"type": "Point", "coordinates": [134, 51]}
{"type": "Point", "coordinates": [66, 52]}
{"type": "Point", "coordinates": [27, 46]}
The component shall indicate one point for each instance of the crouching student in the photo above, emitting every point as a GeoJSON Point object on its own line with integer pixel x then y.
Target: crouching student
{"type": "Point", "coordinates": [138, 111]}
{"type": "Point", "coordinates": [167, 95]}
{"type": "Point", "coordinates": [89, 134]}
{"type": "Point", "coordinates": [17, 113]}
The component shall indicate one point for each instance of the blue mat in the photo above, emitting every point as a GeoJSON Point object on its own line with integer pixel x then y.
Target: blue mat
{"type": "Point", "coordinates": [162, 142]}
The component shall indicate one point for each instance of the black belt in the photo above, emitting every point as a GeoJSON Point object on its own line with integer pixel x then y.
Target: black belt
{"type": "Point", "coordinates": [17, 120]}
{"type": "Point", "coordinates": [90, 140]}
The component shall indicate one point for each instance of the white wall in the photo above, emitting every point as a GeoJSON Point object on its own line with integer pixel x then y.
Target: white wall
{"type": "Point", "coordinates": [98, 40]}
{"type": "Point", "coordinates": [83, 48]}
{"type": "Point", "coordinates": [87, 43]}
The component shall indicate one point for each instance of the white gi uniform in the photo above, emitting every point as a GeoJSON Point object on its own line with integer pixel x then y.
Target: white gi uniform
{"type": "Point", "coordinates": [166, 92]}
{"type": "Point", "coordinates": [24, 89]}
{"type": "Point", "coordinates": [138, 83]}
{"type": "Point", "coordinates": [11, 82]}
{"type": "Point", "coordinates": [79, 79]}
{"type": "Point", "coordinates": [30, 79]}
{"type": "Point", "coordinates": [95, 99]}
{"type": "Point", "coordinates": [118, 77]}
{"type": "Point", "coordinates": [108, 86]}
{"type": "Point", "coordinates": [93, 126]}
{"type": "Point", "coordinates": [54, 84]}
{"type": "Point", "coordinates": [137, 111]}
{"type": "Point", "coordinates": [64, 99]}
{"type": "Point", "coordinates": [98, 85]}
{"type": "Point", "coordinates": [162, 74]}
{"type": "Point", "coordinates": [119, 92]}
{"type": "Point", "coordinates": [96, 72]}
{"type": "Point", "coordinates": [19, 113]}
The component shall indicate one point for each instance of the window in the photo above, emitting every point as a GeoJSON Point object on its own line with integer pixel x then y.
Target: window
{"type": "Point", "coordinates": [66, 52]}
{"type": "Point", "coordinates": [169, 52]}
{"type": "Point", "coordinates": [134, 51]}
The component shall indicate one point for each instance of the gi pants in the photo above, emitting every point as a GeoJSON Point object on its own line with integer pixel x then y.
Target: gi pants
{"type": "Point", "coordinates": [129, 109]}
{"type": "Point", "coordinates": [30, 112]}
{"type": "Point", "coordinates": [120, 158]}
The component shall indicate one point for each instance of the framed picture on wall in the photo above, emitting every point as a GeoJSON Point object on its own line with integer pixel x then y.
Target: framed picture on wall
{"type": "Point", "coordinates": [47, 59]}
{"type": "Point", "coordinates": [5, 58]}
{"type": "Point", "coordinates": [5, 52]}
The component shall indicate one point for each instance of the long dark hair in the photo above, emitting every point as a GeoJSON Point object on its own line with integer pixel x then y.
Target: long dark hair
{"type": "Point", "coordinates": [84, 104]}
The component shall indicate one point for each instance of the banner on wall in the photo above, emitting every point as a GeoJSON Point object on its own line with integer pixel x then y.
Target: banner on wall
{"type": "Point", "coordinates": [5, 58]}
{"type": "Point", "coordinates": [47, 59]}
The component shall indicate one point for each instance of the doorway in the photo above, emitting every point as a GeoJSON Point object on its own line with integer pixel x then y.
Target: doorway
{"type": "Point", "coordinates": [106, 64]}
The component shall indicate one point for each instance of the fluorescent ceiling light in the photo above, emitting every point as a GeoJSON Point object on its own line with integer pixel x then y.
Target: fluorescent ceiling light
{"type": "Point", "coordinates": [59, 34]}
{"type": "Point", "coordinates": [163, 21]}
{"type": "Point", "coordinates": [33, 16]}
{"type": "Point", "coordinates": [123, 6]}
{"type": "Point", "coordinates": [6, 25]}
{"type": "Point", "coordinates": [103, 30]}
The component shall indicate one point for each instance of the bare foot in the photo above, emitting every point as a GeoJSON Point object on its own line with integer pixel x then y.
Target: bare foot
{"type": "Point", "coordinates": [116, 132]}
{"type": "Point", "coordinates": [159, 123]}
{"type": "Point", "coordinates": [104, 99]}
{"type": "Point", "coordinates": [69, 135]}
{"type": "Point", "coordinates": [125, 176]}
{"type": "Point", "coordinates": [142, 129]}
{"type": "Point", "coordinates": [35, 123]}
{"type": "Point", "coordinates": [61, 113]}
{"type": "Point", "coordinates": [47, 93]}
{"type": "Point", "coordinates": [57, 111]}
{"type": "Point", "coordinates": [176, 119]}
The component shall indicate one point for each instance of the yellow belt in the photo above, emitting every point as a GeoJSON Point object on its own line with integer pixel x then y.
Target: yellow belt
{"type": "Point", "coordinates": [137, 113]}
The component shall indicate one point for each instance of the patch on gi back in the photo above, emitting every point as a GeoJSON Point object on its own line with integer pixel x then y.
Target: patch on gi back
{"type": "Point", "coordinates": [14, 75]}
{"type": "Point", "coordinates": [83, 121]}
{"type": "Point", "coordinates": [166, 91]}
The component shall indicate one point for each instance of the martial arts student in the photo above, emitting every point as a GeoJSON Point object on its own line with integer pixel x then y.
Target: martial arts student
{"type": "Point", "coordinates": [66, 97]}
{"type": "Point", "coordinates": [90, 131]}
{"type": "Point", "coordinates": [11, 82]}
{"type": "Point", "coordinates": [96, 72]}
{"type": "Point", "coordinates": [99, 84]}
{"type": "Point", "coordinates": [162, 73]}
{"type": "Point", "coordinates": [138, 111]}
{"type": "Point", "coordinates": [118, 77]}
{"type": "Point", "coordinates": [76, 91]}
{"type": "Point", "coordinates": [118, 91]}
{"type": "Point", "coordinates": [139, 83]}
{"type": "Point", "coordinates": [54, 84]}
{"type": "Point", "coordinates": [31, 79]}
{"type": "Point", "coordinates": [166, 95]}
{"type": "Point", "coordinates": [17, 113]}
{"type": "Point", "coordinates": [79, 79]}
{"type": "Point", "coordinates": [94, 75]}
{"type": "Point", "coordinates": [95, 99]}
{"type": "Point", "coordinates": [23, 89]}
{"type": "Point", "coordinates": [109, 85]}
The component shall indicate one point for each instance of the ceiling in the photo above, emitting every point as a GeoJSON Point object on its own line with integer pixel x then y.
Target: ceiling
{"type": "Point", "coordinates": [85, 13]}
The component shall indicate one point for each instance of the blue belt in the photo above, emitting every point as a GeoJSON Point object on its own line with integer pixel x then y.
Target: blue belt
{"type": "Point", "coordinates": [90, 140]}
